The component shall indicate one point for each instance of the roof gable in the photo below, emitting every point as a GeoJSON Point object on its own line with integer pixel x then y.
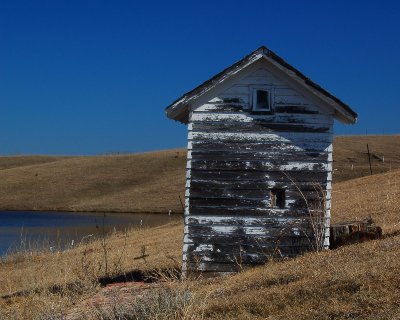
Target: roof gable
{"type": "Point", "coordinates": [179, 109]}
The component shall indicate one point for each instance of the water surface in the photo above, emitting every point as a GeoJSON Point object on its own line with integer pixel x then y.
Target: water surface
{"type": "Point", "coordinates": [59, 230]}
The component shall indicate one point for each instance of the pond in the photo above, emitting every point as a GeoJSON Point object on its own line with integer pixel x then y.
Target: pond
{"type": "Point", "coordinates": [59, 230]}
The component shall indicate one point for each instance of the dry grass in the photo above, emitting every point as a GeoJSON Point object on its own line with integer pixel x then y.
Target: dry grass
{"type": "Point", "coordinates": [351, 158]}
{"type": "Point", "coordinates": [171, 301]}
{"type": "Point", "coordinates": [354, 282]}
{"type": "Point", "coordinates": [147, 182]}
{"type": "Point", "coordinates": [377, 196]}
{"type": "Point", "coordinates": [9, 162]}
{"type": "Point", "coordinates": [33, 284]}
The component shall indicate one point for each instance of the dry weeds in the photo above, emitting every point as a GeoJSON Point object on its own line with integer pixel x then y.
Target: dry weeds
{"type": "Point", "coordinates": [34, 284]}
{"type": "Point", "coordinates": [170, 302]}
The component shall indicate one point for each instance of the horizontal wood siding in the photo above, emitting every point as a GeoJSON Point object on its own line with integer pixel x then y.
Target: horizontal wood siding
{"type": "Point", "coordinates": [235, 158]}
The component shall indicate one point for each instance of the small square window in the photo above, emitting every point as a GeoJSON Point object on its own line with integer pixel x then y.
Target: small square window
{"type": "Point", "coordinates": [261, 100]}
{"type": "Point", "coordinates": [278, 198]}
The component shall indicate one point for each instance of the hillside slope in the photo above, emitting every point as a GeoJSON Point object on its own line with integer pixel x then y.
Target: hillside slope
{"type": "Point", "coordinates": [125, 183]}
{"type": "Point", "coordinates": [353, 282]}
{"type": "Point", "coordinates": [350, 157]}
{"type": "Point", "coordinates": [377, 196]}
{"type": "Point", "coordinates": [147, 182]}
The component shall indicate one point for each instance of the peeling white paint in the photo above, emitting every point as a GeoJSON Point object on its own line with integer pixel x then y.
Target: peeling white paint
{"type": "Point", "coordinates": [296, 231]}
{"type": "Point", "coordinates": [246, 118]}
{"type": "Point", "coordinates": [282, 137]}
{"type": "Point", "coordinates": [204, 247]}
{"type": "Point", "coordinates": [265, 223]}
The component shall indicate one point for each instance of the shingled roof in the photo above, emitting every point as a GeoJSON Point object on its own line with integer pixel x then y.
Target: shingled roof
{"type": "Point", "coordinates": [179, 109]}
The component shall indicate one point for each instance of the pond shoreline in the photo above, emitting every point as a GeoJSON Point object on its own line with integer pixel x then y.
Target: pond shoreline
{"type": "Point", "coordinates": [175, 213]}
{"type": "Point", "coordinates": [59, 228]}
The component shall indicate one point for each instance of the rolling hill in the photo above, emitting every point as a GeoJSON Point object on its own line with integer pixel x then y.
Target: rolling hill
{"type": "Point", "coordinates": [147, 182]}
{"type": "Point", "coordinates": [357, 281]}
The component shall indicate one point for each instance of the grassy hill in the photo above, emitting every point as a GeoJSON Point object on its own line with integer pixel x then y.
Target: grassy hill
{"type": "Point", "coordinates": [350, 158]}
{"type": "Point", "coordinates": [353, 282]}
{"type": "Point", "coordinates": [147, 182]}
{"type": "Point", "coordinates": [377, 196]}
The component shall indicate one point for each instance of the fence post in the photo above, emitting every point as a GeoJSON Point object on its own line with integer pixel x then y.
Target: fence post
{"type": "Point", "coordinates": [369, 160]}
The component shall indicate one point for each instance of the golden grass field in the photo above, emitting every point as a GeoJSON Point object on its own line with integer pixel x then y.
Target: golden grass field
{"type": "Point", "coordinates": [146, 182]}
{"type": "Point", "coordinates": [348, 150]}
{"type": "Point", "coordinates": [357, 281]}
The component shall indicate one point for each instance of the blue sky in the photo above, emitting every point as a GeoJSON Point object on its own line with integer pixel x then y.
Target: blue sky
{"type": "Point", "coordinates": [93, 77]}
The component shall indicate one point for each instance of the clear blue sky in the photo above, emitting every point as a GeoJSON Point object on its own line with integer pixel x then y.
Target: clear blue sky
{"type": "Point", "coordinates": [92, 77]}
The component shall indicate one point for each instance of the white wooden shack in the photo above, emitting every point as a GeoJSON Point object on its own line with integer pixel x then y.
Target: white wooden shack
{"type": "Point", "coordinates": [259, 164]}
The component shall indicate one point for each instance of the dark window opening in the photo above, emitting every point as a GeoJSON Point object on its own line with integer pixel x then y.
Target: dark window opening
{"type": "Point", "coordinates": [278, 198]}
{"type": "Point", "coordinates": [261, 100]}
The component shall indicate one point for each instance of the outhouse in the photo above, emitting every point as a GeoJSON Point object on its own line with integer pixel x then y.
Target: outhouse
{"type": "Point", "coordinates": [259, 164]}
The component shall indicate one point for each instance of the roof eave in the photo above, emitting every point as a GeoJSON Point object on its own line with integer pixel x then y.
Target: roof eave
{"type": "Point", "coordinates": [178, 112]}
{"type": "Point", "coordinates": [345, 117]}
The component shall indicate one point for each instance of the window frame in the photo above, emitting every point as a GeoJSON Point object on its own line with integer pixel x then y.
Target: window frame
{"type": "Point", "coordinates": [270, 92]}
{"type": "Point", "coordinates": [278, 198]}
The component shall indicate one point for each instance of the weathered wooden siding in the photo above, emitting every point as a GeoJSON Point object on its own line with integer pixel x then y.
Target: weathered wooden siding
{"type": "Point", "coordinates": [235, 157]}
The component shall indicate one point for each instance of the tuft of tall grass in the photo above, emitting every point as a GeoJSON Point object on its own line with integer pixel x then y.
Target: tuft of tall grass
{"type": "Point", "coordinates": [161, 303]}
